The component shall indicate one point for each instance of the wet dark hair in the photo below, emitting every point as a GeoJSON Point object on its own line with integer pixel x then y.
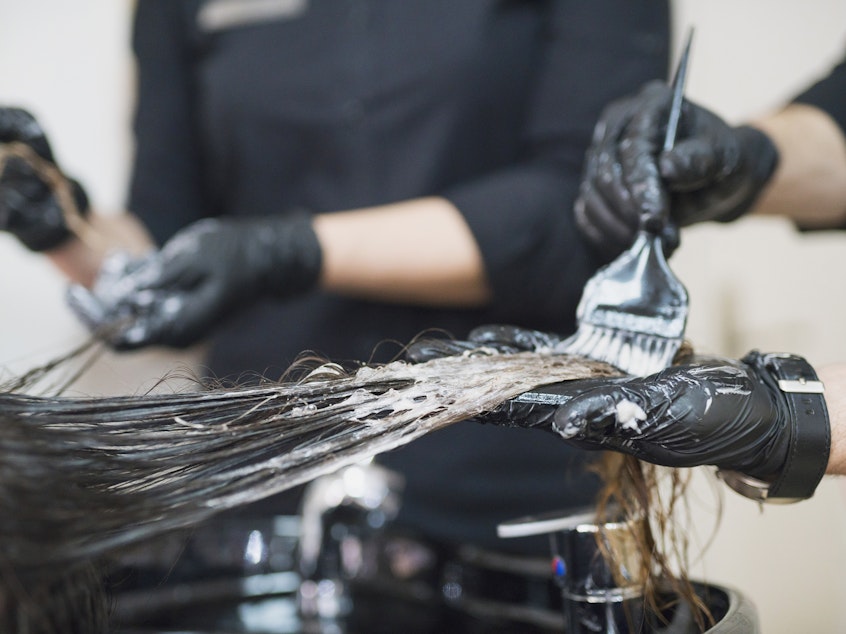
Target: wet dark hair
{"type": "Point", "coordinates": [653, 500]}
{"type": "Point", "coordinates": [82, 478]}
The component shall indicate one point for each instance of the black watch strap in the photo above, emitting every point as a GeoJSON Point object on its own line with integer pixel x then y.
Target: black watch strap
{"type": "Point", "coordinates": [810, 431]}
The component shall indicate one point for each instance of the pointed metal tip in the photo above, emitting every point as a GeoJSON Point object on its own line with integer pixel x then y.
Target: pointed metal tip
{"type": "Point", "coordinates": [678, 83]}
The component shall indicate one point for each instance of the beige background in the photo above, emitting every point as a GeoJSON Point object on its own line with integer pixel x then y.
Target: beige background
{"type": "Point", "coordinates": [755, 284]}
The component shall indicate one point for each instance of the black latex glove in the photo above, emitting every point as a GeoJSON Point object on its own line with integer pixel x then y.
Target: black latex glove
{"type": "Point", "coordinates": [713, 172]}
{"type": "Point", "coordinates": [711, 411]}
{"type": "Point", "coordinates": [493, 337]}
{"type": "Point", "coordinates": [504, 339]}
{"type": "Point", "coordinates": [176, 296]}
{"type": "Point", "coordinates": [721, 412]}
{"type": "Point", "coordinates": [30, 207]}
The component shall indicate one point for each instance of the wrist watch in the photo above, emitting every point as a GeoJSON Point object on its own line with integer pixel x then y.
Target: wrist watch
{"type": "Point", "coordinates": [810, 432]}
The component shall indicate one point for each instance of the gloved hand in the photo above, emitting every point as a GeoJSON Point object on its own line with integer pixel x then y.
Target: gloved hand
{"type": "Point", "coordinates": [763, 416]}
{"type": "Point", "coordinates": [713, 172]}
{"type": "Point", "coordinates": [32, 207]}
{"type": "Point", "coordinates": [105, 308]}
{"type": "Point", "coordinates": [494, 337]}
{"type": "Point", "coordinates": [708, 411]}
{"type": "Point", "coordinates": [504, 339]}
{"type": "Point", "coordinates": [212, 268]}
{"type": "Point", "coordinates": [715, 411]}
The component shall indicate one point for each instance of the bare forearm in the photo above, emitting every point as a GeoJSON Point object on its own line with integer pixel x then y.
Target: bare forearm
{"type": "Point", "coordinates": [809, 186]}
{"type": "Point", "coordinates": [834, 379]}
{"type": "Point", "coordinates": [419, 251]}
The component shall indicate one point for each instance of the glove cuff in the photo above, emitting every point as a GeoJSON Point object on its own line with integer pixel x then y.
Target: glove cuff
{"type": "Point", "coordinates": [761, 156]}
{"type": "Point", "coordinates": [296, 257]}
{"type": "Point", "coordinates": [800, 395]}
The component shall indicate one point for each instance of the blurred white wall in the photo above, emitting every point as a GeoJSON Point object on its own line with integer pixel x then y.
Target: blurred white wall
{"type": "Point", "coordinates": [69, 63]}
{"type": "Point", "coordinates": [753, 284]}
{"type": "Point", "coordinates": [759, 284]}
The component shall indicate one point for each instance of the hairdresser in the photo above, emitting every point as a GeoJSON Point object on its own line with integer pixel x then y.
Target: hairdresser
{"type": "Point", "coordinates": [321, 180]}
{"type": "Point", "coordinates": [765, 420]}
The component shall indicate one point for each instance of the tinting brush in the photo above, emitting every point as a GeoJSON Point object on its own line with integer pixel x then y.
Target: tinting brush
{"type": "Point", "coordinates": [634, 310]}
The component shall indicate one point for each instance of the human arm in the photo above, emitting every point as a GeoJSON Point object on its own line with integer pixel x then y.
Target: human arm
{"type": "Point", "coordinates": [791, 162]}
{"type": "Point", "coordinates": [723, 413]}
{"type": "Point", "coordinates": [216, 266]}
{"type": "Point", "coordinates": [418, 252]}
{"type": "Point", "coordinates": [833, 377]}
{"type": "Point", "coordinates": [760, 420]}
{"type": "Point", "coordinates": [48, 211]}
{"type": "Point", "coordinates": [763, 416]}
{"type": "Point", "coordinates": [809, 186]}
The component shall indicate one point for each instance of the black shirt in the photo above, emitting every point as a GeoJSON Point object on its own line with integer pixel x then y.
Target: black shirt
{"type": "Point", "coordinates": [339, 104]}
{"type": "Point", "coordinates": [829, 94]}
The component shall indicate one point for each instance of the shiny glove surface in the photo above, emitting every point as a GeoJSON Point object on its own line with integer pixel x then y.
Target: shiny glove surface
{"type": "Point", "coordinates": [713, 172]}
{"type": "Point", "coordinates": [721, 412]}
{"type": "Point", "coordinates": [493, 337]}
{"type": "Point", "coordinates": [30, 207]}
{"type": "Point", "coordinates": [711, 411]}
{"type": "Point", "coordinates": [506, 339]}
{"type": "Point", "coordinates": [207, 271]}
